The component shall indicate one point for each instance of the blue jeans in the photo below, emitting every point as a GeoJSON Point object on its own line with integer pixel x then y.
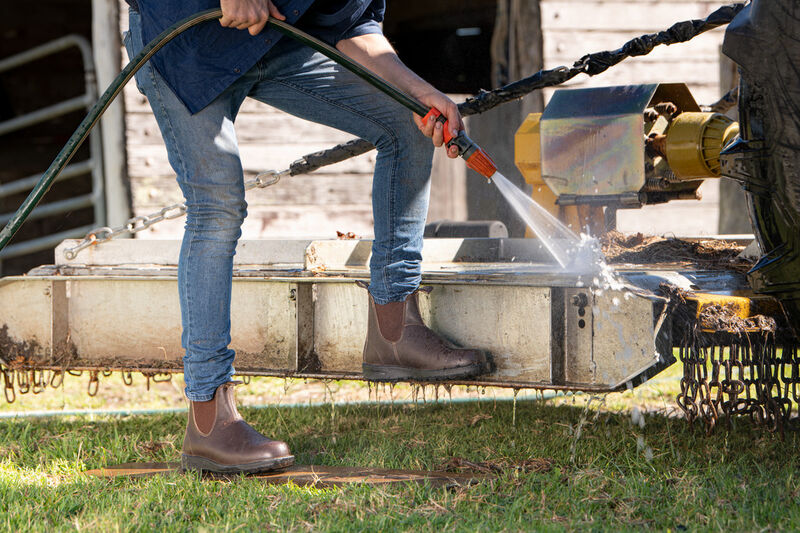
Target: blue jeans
{"type": "Point", "coordinates": [203, 151]}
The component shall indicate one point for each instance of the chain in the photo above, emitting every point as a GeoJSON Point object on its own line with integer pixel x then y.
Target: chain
{"type": "Point", "coordinates": [739, 374]}
{"type": "Point", "coordinates": [140, 223]}
{"type": "Point", "coordinates": [36, 380]}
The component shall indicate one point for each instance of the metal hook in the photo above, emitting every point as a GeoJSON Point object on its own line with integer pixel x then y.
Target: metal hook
{"type": "Point", "coordinates": [38, 384]}
{"type": "Point", "coordinates": [9, 386]}
{"type": "Point", "coordinates": [94, 383]}
{"type": "Point", "coordinates": [164, 377]}
{"type": "Point", "coordinates": [22, 382]}
{"type": "Point", "coordinates": [56, 384]}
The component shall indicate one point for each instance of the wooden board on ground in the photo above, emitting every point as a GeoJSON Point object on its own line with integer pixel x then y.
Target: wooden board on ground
{"type": "Point", "coordinates": [312, 475]}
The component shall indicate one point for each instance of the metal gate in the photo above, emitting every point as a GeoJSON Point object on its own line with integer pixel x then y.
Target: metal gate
{"type": "Point", "coordinates": [93, 164]}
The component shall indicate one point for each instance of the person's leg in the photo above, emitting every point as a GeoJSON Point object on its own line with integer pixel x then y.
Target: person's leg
{"type": "Point", "coordinates": [203, 151]}
{"type": "Point", "coordinates": [309, 85]}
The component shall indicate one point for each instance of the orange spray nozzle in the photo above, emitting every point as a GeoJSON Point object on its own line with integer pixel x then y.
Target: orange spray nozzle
{"type": "Point", "coordinates": [481, 163]}
{"type": "Point", "coordinates": [477, 159]}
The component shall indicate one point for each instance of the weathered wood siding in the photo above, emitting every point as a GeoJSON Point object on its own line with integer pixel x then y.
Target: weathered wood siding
{"type": "Point", "coordinates": [338, 197]}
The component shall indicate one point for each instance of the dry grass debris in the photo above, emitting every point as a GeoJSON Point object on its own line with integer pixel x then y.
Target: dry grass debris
{"type": "Point", "coordinates": [642, 249]}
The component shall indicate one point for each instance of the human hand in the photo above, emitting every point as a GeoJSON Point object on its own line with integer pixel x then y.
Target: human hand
{"type": "Point", "coordinates": [250, 15]}
{"type": "Point", "coordinates": [434, 128]}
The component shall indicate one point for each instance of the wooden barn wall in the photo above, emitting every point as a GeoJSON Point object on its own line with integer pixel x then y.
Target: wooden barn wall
{"type": "Point", "coordinates": [338, 197]}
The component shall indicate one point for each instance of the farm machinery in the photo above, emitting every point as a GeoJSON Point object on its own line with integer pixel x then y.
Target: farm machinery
{"type": "Point", "coordinates": [111, 305]}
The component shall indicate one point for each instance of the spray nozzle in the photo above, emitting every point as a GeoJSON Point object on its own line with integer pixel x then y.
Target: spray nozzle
{"type": "Point", "coordinates": [477, 159]}
{"type": "Point", "coordinates": [481, 163]}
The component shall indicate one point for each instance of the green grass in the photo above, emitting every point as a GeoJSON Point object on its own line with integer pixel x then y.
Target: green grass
{"type": "Point", "coordinates": [607, 472]}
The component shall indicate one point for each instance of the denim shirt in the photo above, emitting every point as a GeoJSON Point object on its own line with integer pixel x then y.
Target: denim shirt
{"type": "Point", "coordinates": [203, 61]}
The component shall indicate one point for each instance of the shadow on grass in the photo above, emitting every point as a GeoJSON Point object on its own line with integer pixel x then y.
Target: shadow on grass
{"type": "Point", "coordinates": [604, 471]}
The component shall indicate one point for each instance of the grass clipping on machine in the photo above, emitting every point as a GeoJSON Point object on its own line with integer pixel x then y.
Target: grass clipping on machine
{"type": "Point", "coordinates": [639, 249]}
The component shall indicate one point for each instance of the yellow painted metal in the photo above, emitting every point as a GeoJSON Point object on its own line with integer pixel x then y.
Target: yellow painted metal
{"type": "Point", "coordinates": [740, 305]}
{"type": "Point", "coordinates": [744, 305]}
{"type": "Point", "coordinates": [694, 141]}
{"type": "Point", "coordinates": [528, 158]}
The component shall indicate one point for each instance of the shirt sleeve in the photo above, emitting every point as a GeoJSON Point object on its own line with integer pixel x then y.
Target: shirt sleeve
{"type": "Point", "coordinates": [369, 22]}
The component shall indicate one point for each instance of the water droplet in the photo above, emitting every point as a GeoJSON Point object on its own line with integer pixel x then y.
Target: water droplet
{"type": "Point", "coordinates": [637, 417]}
{"type": "Point", "coordinates": [514, 409]}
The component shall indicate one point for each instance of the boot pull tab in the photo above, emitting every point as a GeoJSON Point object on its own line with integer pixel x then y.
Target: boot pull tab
{"type": "Point", "coordinates": [362, 284]}
{"type": "Point", "coordinates": [427, 289]}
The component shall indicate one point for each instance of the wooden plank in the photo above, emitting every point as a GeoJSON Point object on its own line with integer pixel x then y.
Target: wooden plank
{"type": "Point", "coordinates": [565, 46]}
{"type": "Point", "coordinates": [640, 16]}
{"type": "Point", "coordinates": [696, 74]}
{"type": "Point", "coordinates": [639, 2]}
{"type": "Point", "coordinates": [262, 128]}
{"type": "Point", "coordinates": [312, 475]}
{"type": "Point", "coordinates": [315, 189]}
{"type": "Point", "coordinates": [106, 46]}
{"type": "Point", "coordinates": [295, 221]}
{"type": "Point", "coordinates": [123, 22]}
{"type": "Point", "coordinates": [642, 70]}
{"type": "Point", "coordinates": [681, 217]}
{"type": "Point", "coordinates": [151, 160]}
{"type": "Point", "coordinates": [448, 200]}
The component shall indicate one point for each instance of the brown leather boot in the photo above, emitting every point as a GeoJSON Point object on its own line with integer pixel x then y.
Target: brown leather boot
{"type": "Point", "coordinates": [400, 346]}
{"type": "Point", "coordinates": [218, 439]}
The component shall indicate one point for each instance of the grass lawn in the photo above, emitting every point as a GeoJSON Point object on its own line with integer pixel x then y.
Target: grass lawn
{"type": "Point", "coordinates": [608, 470]}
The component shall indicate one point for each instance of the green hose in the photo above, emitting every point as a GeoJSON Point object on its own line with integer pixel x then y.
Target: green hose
{"type": "Point", "coordinates": [77, 138]}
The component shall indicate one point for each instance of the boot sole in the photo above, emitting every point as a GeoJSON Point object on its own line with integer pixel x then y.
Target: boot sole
{"type": "Point", "coordinates": [399, 373]}
{"type": "Point", "coordinates": [202, 464]}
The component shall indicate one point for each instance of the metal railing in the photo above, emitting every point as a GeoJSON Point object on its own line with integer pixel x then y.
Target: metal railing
{"type": "Point", "coordinates": [93, 164]}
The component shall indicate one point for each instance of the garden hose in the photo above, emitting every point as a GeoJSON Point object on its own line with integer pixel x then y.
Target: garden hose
{"type": "Point", "coordinates": [80, 134]}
